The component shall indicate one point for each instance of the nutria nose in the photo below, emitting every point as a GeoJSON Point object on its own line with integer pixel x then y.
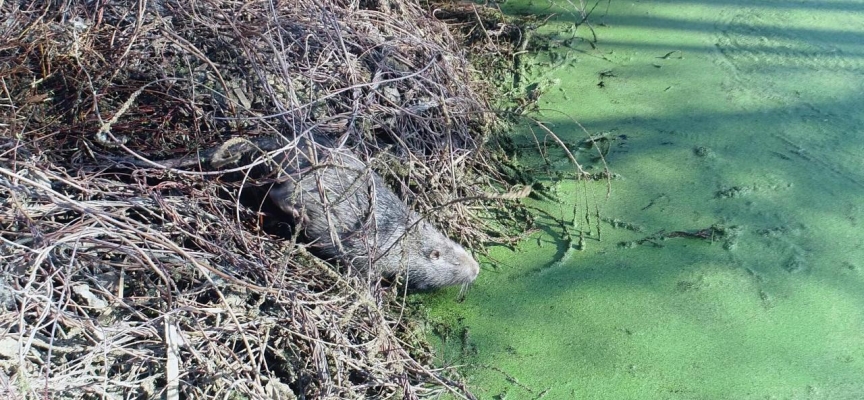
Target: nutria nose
{"type": "Point", "coordinates": [473, 269]}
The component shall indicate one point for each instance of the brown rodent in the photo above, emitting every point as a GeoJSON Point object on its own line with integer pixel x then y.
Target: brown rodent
{"type": "Point", "coordinates": [348, 213]}
{"type": "Point", "coordinates": [344, 210]}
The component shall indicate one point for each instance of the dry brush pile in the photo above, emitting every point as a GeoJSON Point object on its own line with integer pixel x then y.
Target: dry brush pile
{"type": "Point", "coordinates": [125, 282]}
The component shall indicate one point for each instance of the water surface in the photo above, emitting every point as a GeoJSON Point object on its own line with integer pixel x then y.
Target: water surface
{"type": "Point", "coordinates": [746, 116]}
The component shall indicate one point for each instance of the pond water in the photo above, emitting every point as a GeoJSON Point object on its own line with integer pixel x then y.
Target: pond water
{"type": "Point", "coordinates": [744, 116]}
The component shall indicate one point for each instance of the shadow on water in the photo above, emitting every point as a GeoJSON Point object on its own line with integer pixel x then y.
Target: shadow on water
{"type": "Point", "coordinates": [782, 38]}
{"type": "Point", "coordinates": [542, 7]}
{"type": "Point", "coordinates": [821, 6]}
{"type": "Point", "coordinates": [810, 180]}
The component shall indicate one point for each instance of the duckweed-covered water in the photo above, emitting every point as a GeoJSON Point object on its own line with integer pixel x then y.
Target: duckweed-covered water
{"type": "Point", "coordinates": [730, 260]}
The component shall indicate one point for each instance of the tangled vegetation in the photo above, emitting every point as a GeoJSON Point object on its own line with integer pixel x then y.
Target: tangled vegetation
{"type": "Point", "coordinates": [143, 282]}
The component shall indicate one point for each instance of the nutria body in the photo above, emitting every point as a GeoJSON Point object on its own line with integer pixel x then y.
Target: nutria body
{"type": "Point", "coordinates": [345, 210]}
{"type": "Point", "coordinates": [347, 213]}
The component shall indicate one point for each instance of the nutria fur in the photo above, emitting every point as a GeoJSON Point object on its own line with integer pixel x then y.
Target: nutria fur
{"type": "Point", "coordinates": [328, 191]}
{"type": "Point", "coordinates": [323, 187]}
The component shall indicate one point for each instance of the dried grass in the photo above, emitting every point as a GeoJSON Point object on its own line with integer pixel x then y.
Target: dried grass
{"type": "Point", "coordinates": [140, 283]}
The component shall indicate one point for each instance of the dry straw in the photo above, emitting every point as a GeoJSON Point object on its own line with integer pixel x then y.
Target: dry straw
{"type": "Point", "coordinates": [137, 283]}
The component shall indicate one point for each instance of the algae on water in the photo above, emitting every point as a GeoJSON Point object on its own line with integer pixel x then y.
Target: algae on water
{"type": "Point", "coordinates": [742, 124]}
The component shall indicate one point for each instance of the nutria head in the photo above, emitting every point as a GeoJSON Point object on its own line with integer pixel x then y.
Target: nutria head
{"type": "Point", "coordinates": [429, 259]}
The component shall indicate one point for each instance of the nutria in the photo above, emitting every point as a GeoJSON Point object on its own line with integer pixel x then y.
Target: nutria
{"type": "Point", "coordinates": [322, 187]}
{"type": "Point", "coordinates": [348, 213]}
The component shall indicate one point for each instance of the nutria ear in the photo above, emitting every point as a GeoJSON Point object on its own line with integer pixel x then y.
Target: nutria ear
{"type": "Point", "coordinates": [435, 254]}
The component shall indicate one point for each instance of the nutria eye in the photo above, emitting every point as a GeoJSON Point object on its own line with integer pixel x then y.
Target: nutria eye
{"type": "Point", "coordinates": [435, 254]}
